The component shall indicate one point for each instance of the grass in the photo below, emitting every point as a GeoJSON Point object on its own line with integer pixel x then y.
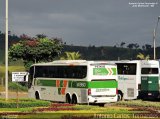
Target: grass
{"type": "Point", "coordinates": [28, 109]}
{"type": "Point", "coordinates": [16, 67]}
{"type": "Point", "coordinates": [139, 103]}
{"type": "Point", "coordinates": [78, 112]}
{"type": "Point", "coordinates": [14, 86]}
{"type": "Point", "coordinates": [11, 69]}
{"type": "Point", "coordinates": [23, 103]}
{"type": "Point", "coordinates": [84, 112]}
{"type": "Point", "coordinates": [104, 110]}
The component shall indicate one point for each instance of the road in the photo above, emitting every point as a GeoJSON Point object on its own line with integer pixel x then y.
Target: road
{"type": "Point", "coordinates": [14, 95]}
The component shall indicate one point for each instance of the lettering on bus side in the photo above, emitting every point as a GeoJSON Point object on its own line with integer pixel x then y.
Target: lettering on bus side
{"type": "Point", "coordinates": [78, 84]}
{"type": "Point", "coordinates": [102, 90]}
{"type": "Point", "coordinates": [100, 66]}
{"type": "Point", "coordinates": [81, 84]}
{"type": "Point", "coordinates": [144, 78]}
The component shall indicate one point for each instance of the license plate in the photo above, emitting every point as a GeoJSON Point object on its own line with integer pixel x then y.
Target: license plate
{"type": "Point", "coordinates": [149, 93]}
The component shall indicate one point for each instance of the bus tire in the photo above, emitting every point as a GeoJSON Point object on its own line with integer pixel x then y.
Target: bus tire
{"type": "Point", "coordinates": [74, 99]}
{"type": "Point", "coordinates": [68, 99]}
{"type": "Point", "coordinates": [101, 104]}
{"type": "Point", "coordinates": [37, 96]}
{"type": "Point", "coordinates": [120, 96]}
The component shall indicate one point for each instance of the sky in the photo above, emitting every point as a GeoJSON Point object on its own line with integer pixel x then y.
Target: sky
{"type": "Point", "coordinates": [85, 22]}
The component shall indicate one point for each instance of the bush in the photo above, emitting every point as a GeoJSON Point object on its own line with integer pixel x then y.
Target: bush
{"type": "Point", "coordinates": [14, 86]}
{"type": "Point", "coordinates": [23, 103]}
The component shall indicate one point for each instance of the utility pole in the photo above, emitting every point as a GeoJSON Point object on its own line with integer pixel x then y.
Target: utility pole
{"type": "Point", "coordinates": [6, 53]}
{"type": "Point", "coordinates": [154, 38]}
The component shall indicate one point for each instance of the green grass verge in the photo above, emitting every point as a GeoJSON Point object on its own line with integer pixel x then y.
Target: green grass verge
{"type": "Point", "coordinates": [78, 112]}
{"type": "Point", "coordinates": [27, 109]}
{"type": "Point", "coordinates": [12, 68]}
{"type": "Point", "coordinates": [15, 86]}
{"type": "Point", "coordinates": [139, 103]}
{"type": "Point", "coordinates": [82, 112]}
{"type": "Point", "coordinates": [103, 110]}
{"type": "Point", "coordinates": [23, 103]}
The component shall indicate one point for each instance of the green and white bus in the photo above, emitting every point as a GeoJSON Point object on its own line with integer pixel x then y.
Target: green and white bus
{"type": "Point", "coordinates": [74, 81]}
{"type": "Point", "coordinates": [150, 81]}
{"type": "Point", "coordinates": [129, 78]}
{"type": "Point", "coordinates": [137, 79]}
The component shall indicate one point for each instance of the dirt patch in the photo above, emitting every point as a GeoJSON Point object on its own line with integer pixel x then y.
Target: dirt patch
{"type": "Point", "coordinates": [14, 94]}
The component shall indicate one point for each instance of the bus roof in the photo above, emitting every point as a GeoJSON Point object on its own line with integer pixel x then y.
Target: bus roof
{"type": "Point", "coordinates": [133, 61]}
{"type": "Point", "coordinates": [73, 62]}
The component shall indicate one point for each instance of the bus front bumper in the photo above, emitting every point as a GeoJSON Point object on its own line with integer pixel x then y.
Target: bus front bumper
{"type": "Point", "coordinates": [94, 99]}
{"type": "Point", "coordinates": [150, 94]}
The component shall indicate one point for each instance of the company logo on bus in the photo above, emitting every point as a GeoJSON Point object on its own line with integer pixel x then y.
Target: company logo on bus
{"type": "Point", "coordinates": [122, 78]}
{"type": "Point", "coordinates": [125, 78]}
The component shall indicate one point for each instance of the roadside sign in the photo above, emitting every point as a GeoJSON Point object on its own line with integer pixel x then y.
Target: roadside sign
{"type": "Point", "coordinates": [19, 76]}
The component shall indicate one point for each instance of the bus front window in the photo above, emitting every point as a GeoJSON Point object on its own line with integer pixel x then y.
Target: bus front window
{"type": "Point", "coordinates": [149, 71]}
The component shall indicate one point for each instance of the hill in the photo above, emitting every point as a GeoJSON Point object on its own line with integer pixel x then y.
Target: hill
{"type": "Point", "coordinates": [107, 52]}
{"type": "Point", "coordinates": [92, 52]}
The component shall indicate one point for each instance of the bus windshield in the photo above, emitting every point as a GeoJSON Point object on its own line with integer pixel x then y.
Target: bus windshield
{"type": "Point", "coordinates": [126, 68]}
{"type": "Point", "coordinates": [149, 71]}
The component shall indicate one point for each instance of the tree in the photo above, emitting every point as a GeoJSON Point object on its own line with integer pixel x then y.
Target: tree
{"type": "Point", "coordinates": [41, 36]}
{"type": "Point", "coordinates": [143, 57]}
{"type": "Point", "coordinates": [122, 44]}
{"type": "Point", "coordinates": [146, 47]}
{"type": "Point", "coordinates": [32, 50]}
{"type": "Point", "coordinates": [136, 45]}
{"type": "Point", "coordinates": [71, 56]}
{"type": "Point", "coordinates": [130, 46]}
{"type": "Point", "coordinates": [143, 47]}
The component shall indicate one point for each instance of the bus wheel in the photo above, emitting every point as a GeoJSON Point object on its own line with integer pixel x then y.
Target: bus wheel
{"type": "Point", "coordinates": [120, 96]}
{"type": "Point", "coordinates": [74, 99]}
{"type": "Point", "coordinates": [68, 99]}
{"type": "Point", "coordinates": [101, 104]}
{"type": "Point", "coordinates": [37, 95]}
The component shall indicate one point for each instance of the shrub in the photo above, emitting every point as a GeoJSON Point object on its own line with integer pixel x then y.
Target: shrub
{"type": "Point", "coordinates": [14, 86]}
{"type": "Point", "coordinates": [23, 103]}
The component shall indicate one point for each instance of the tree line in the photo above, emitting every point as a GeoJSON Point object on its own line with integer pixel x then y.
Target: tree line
{"type": "Point", "coordinates": [43, 49]}
{"type": "Point", "coordinates": [133, 46]}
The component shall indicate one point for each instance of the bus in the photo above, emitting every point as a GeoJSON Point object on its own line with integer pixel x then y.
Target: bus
{"type": "Point", "coordinates": [129, 79]}
{"type": "Point", "coordinates": [150, 82]}
{"type": "Point", "coordinates": [134, 79]}
{"type": "Point", "coordinates": [74, 81]}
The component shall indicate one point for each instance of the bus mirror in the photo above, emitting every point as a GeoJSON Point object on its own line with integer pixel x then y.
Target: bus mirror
{"type": "Point", "coordinates": [26, 77]}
